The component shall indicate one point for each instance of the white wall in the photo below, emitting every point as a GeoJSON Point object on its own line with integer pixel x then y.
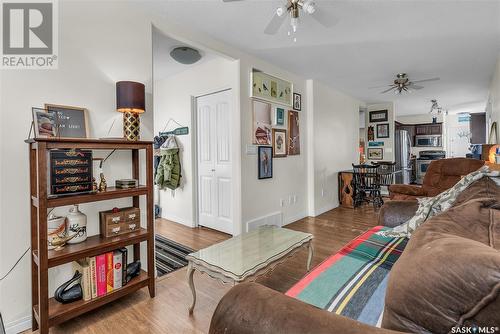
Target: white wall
{"type": "Point", "coordinates": [95, 52]}
{"type": "Point", "coordinates": [493, 108]}
{"type": "Point", "coordinates": [334, 141]}
{"type": "Point", "coordinates": [172, 99]}
{"type": "Point", "coordinates": [388, 142]}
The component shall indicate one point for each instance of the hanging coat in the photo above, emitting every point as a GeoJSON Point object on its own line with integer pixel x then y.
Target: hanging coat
{"type": "Point", "coordinates": [168, 173]}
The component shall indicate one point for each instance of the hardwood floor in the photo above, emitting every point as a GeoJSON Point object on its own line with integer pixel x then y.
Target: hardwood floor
{"type": "Point", "coordinates": [167, 312]}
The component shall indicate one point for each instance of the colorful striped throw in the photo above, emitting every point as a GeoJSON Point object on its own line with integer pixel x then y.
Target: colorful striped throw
{"type": "Point", "coordinates": [353, 281]}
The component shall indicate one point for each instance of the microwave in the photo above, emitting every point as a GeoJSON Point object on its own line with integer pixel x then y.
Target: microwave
{"type": "Point", "coordinates": [428, 141]}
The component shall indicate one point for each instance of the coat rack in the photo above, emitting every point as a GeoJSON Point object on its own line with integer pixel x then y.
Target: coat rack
{"type": "Point", "coordinates": [179, 131]}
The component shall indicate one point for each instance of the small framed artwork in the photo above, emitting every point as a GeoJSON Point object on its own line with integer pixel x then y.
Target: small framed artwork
{"type": "Point", "coordinates": [375, 153]}
{"type": "Point", "coordinates": [376, 143]}
{"type": "Point", "coordinates": [279, 143]}
{"type": "Point", "coordinates": [270, 88]}
{"type": "Point", "coordinates": [293, 144]}
{"type": "Point", "coordinates": [371, 133]}
{"type": "Point", "coordinates": [265, 160]}
{"type": "Point", "coordinates": [72, 122]}
{"type": "Point", "coordinates": [378, 116]}
{"type": "Point", "coordinates": [279, 116]}
{"type": "Point", "coordinates": [45, 124]}
{"type": "Point", "coordinates": [383, 130]}
{"type": "Point", "coordinates": [261, 123]}
{"type": "Point", "coordinates": [297, 101]}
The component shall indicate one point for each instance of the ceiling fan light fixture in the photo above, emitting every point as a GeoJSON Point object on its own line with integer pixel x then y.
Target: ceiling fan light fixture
{"type": "Point", "coordinates": [294, 22]}
{"type": "Point", "coordinates": [280, 11]}
{"type": "Point", "coordinates": [309, 7]}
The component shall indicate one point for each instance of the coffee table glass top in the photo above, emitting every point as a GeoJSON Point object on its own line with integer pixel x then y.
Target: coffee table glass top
{"type": "Point", "coordinates": [243, 254]}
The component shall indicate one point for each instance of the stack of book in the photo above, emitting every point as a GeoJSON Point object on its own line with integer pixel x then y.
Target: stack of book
{"type": "Point", "coordinates": [103, 273]}
{"type": "Point", "coordinates": [126, 183]}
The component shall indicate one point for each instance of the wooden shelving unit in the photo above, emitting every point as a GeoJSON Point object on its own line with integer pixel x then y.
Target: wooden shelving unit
{"type": "Point", "coordinates": [46, 311]}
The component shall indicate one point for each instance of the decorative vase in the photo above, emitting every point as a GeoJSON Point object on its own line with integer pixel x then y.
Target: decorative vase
{"type": "Point", "coordinates": [56, 228]}
{"type": "Point", "coordinates": [76, 224]}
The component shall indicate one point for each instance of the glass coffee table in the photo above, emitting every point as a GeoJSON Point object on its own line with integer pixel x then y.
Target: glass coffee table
{"type": "Point", "coordinates": [247, 256]}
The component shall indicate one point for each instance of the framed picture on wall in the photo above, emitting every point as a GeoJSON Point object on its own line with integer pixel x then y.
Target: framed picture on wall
{"type": "Point", "coordinates": [375, 153]}
{"type": "Point", "coordinates": [72, 122]}
{"type": "Point", "coordinates": [279, 116]}
{"type": "Point", "coordinates": [279, 143]}
{"type": "Point", "coordinates": [378, 116]}
{"type": "Point", "coordinates": [261, 123]}
{"type": "Point", "coordinates": [293, 133]}
{"type": "Point", "coordinates": [297, 101]}
{"type": "Point", "coordinates": [270, 88]}
{"type": "Point", "coordinates": [265, 160]}
{"type": "Point", "coordinates": [383, 130]}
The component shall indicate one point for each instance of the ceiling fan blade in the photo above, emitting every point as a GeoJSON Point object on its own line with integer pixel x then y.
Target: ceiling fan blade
{"type": "Point", "coordinates": [324, 18]}
{"type": "Point", "coordinates": [427, 80]}
{"type": "Point", "coordinates": [416, 87]}
{"type": "Point", "coordinates": [382, 86]}
{"type": "Point", "coordinates": [387, 90]}
{"type": "Point", "coordinates": [274, 25]}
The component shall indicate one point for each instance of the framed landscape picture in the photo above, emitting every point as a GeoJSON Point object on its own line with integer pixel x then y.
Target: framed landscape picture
{"type": "Point", "coordinates": [265, 160]}
{"type": "Point", "coordinates": [383, 130]}
{"type": "Point", "coordinates": [72, 122]}
{"type": "Point", "coordinates": [378, 116]}
{"type": "Point", "coordinates": [269, 88]}
{"type": "Point", "coordinates": [293, 133]}
{"type": "Point", "coordinates": [375, 153]}
{"type": "Point", "coordinates": [261, 123]}
{"type": "Point", "coordinates": [279, 143]}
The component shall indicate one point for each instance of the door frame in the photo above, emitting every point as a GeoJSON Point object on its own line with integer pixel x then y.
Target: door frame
{"type": "Point", "coordinates": [194, 159]}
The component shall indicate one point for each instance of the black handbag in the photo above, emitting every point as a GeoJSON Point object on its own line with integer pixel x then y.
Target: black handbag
{"type": "Point", "coordinates": [133, 270]}
{"type": "Point", "coordinates": [70, 291]}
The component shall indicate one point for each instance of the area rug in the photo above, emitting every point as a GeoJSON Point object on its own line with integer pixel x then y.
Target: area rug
{"type": "Point", "coordinates": [353, 281]}
{"type": "Point", "coordinates": [170, 255]}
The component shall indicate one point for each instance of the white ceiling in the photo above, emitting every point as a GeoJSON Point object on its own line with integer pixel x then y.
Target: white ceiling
{"type": "Point", "coordinates": [163, 64]}
{"type": "Point", "coordinates": [458, 41]}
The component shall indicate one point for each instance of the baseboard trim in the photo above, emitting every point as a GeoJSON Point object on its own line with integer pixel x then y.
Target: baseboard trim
{"type": "Point", "coordinates": [18, 326]}
{"type": "Point", "coordinates": [178, 220]}
{"type": "Point", "coordinates": [326, 209]}
{"type": "Point", "coordinates": [294, 218]}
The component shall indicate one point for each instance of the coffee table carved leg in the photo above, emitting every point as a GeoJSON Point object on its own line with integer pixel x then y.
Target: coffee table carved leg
{"type": "Point", "coordinates": [310, 255]}
{"type": "Point", "coordinates": [191, 285]}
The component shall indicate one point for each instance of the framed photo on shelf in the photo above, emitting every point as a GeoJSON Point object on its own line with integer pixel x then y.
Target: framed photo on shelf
{"type": "Point", "coordinates": [269, 88]}
{"type": "Point", "coordinates": [72, 122]}
{"type": "Point", "coordinates": [279, 143]}
{"type": "Point", "coordinates": [265, 162]}
{"type": "Point", "coordinates": [378, 116]}
{"type": "Point", "coordinates": [45, 124]}
{"type": "Point", "coordinates": [375, 153]}
{"type": "Point", "coordinates": [297, 101]}
{"type": "Point", "coordinates": [383, 130]}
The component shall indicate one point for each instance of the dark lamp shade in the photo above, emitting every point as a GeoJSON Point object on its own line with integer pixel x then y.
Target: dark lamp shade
{"type": "Point", "coordinates": [130, 97]}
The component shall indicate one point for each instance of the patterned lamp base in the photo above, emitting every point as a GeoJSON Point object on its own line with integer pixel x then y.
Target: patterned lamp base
{"type": "Point", "coordinates": [131, 126]}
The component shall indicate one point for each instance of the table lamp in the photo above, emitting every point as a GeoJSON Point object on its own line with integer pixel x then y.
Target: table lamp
{"type": "Point", "coordinates": [130, 100]}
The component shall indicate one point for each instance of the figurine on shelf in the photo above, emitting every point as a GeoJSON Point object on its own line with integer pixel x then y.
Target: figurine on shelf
{"type": "Point", "coordinates": [57, 243]}
{"type": "Point", "coordinates": [102, 185]}
{"type": "Point", "coordinates": [94, 185]}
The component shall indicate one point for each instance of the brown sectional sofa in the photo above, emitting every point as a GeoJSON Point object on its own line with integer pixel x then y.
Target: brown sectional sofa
{"type": "Point", "coordinates": [448, 275]}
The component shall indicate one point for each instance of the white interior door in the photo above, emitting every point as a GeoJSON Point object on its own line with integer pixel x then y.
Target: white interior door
{"type": "Point", "coordinates": [215, 182]}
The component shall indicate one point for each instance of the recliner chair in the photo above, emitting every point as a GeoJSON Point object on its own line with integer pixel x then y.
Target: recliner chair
{"type": "Point", "coordinates": [440, 176]}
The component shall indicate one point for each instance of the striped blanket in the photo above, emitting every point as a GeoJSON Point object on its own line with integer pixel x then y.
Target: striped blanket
{"type": "Point", "coordinates": [353, 281]}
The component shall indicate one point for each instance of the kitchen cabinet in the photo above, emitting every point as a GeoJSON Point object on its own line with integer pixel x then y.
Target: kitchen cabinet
{"type": "Point", "coordinates": [429, 129]}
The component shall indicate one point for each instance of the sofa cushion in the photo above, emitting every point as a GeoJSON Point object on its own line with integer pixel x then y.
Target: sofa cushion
{"type": "Point", "coordinates": [449, 274]}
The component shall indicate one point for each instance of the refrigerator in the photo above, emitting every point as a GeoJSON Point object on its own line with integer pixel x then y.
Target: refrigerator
{"type": "Point", "coordinates": [402, 153]}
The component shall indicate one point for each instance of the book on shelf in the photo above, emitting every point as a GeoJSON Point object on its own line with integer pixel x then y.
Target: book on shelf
{"type": "Point", "coordinates": [93, 277]}
{"type": "Point", "coordinates": [124, 254]}
{"type": "Point", "coordinates": [83, 267]}
{"type": "Point", "coordinates": [101, 274]}
{"type": "Point", "coordinates": [117, 269]}
{"type": "Point", "coordinates": [109, 272]}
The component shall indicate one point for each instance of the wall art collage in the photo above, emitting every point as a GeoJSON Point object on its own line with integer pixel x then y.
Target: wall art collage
{"type": "Point", "coordinates": [377, 131]}
{"type": "Point", "coordinates": [275, 122]}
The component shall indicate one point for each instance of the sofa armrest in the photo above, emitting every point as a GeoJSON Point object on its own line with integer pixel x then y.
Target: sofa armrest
{"type": "Point", "coordinates": [407, 189]}
{"type": "Point", "coordinates": [251, 308]}
{"type": "Point", "coordinates": [394, 213]}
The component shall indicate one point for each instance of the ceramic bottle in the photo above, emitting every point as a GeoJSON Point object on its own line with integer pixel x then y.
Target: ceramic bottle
{"type": "Point", "coordinates": [76, 223]}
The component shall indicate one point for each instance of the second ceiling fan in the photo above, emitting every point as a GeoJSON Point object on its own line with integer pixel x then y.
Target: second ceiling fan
{"type": "Point", "coordinates": [293, 10]}
{"type": "Point", "coordinates": [402, 84]}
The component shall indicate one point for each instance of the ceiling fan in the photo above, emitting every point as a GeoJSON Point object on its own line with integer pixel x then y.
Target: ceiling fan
{"type": "Point", "coordinates": [403, 84]}
{"type": "Point", "coordinates": [293, 9]}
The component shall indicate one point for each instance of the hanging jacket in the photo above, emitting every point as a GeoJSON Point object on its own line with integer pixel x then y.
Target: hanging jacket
{"type": "Point", "coordinates": [157, 143]}
{"type": "Point", "coordinates": [168, 173]}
